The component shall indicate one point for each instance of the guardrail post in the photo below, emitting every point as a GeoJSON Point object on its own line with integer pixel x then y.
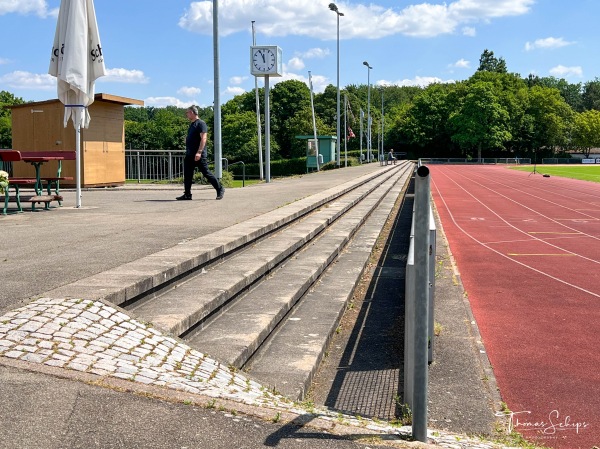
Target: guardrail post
{"type": "Point", "coordinates": [421, 306]}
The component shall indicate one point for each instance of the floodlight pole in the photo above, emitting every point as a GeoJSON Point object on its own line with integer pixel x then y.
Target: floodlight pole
{"type": "Point", "coordinates": [217, 103]}
{"type": "Point", "coordinates": [369, 149]}
{"type": "Point", "coordinates": [334, 8]}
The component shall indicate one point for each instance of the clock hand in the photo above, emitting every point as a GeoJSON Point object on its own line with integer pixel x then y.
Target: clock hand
{"type": "Point", "coordinates": [263, 56]}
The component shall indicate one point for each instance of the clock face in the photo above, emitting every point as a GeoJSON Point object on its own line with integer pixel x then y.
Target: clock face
{"type": "Point", "coordinates": [263, 60]}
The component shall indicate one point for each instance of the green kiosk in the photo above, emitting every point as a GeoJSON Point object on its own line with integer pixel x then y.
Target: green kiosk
{"type": "Point", "coordinates": [327, 149]}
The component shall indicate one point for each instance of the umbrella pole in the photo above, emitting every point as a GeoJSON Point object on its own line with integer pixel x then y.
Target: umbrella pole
{"type": "Point", "coordinates": [78, 166]}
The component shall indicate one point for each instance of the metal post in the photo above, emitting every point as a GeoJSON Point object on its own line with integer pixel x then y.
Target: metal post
{"type": "Point", "coordinates": [258, 127]}
{"type": "Point", "coordinates": [78, 166]}
{"type": "Point", "coordinates": [217, 104]}
{"type": "Point", "coordinates": [345, 131]}
{"type": "Point", "coordinates": [338, 92]}
{"type": "Point", "coordinates": [139, 168]}
{"type": "Point", "coordinates": [369, 149]}
{"type": "Point", "coordinates": [334, 8]}
{"type": "Point", "coordinates": [362, 116]}
{"type": "Point", "coordinates": [382, 125]}
{"type": "Point", "coordinates": [312, 107]}
{"type": "Point", "coordinates": [267, 132]}
{"type": "Point", "coordinates": [421, 313]}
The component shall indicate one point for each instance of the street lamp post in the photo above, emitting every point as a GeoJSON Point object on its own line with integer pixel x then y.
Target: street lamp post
{"type": "Point", "coordinates": [369, 150]}
{"type": "Point", "coordinates": [334, 8]}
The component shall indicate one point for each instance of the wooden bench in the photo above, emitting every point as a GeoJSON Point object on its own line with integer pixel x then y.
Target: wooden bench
{"type": "Point", "coordinates": [17, 183]}
{"type": "Point", "coordinates": [54, 180]}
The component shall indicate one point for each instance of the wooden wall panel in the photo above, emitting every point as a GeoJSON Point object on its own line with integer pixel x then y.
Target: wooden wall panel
{"type": "Point", "coordinates": [39, 127]}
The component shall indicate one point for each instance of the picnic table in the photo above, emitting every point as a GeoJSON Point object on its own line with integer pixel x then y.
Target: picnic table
{"type": "Point", "coordinates": [37, 159]}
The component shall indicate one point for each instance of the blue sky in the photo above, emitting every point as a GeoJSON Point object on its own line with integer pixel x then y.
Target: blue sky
{"type": "Point", "coordinates": [161, 51]}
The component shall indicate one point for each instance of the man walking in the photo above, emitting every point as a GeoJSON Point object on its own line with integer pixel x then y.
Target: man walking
{"type": "Point", "coordinates": [195, 156]}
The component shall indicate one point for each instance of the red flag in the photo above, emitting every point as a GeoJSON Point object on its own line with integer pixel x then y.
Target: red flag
{"type": "Point", "coordinates": [350, 133]}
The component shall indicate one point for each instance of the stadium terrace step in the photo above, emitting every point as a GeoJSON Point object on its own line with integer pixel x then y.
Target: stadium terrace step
{"type": "Point", "coordinates": [267, 294]}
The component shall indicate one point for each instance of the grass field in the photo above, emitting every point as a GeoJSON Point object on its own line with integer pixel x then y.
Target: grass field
{"type": "Point", "coordinates": [583, 172]}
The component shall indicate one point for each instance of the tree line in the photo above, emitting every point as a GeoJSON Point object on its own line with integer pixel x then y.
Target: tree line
{"type": "Point", "coordinates": [494, 113]}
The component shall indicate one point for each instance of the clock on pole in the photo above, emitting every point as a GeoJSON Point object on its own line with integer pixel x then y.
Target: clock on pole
{"type": "Point", "coordinates": [266, 60]}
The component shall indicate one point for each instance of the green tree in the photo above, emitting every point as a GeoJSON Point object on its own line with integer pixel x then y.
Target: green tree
{"type": "Point", "coordinates": [489, 63]}
{"type": "Point", "coordinates": [287, 98]}
{"type": "Point", "coordinates": [7, 99]}
{"type": "Point", "coordinates": [136, 114]}
{"type": "Point", "coordinates": [239, 137]}
{"type": "Point", "coordinates": [586, 131]}
{"type": "Point", "coordinates": [426, 121]}
{"type": "Point", "coordinates": [551, 118]}
{"type": "Point", "coordinates": [302, 124]}
{"type": "Point", "coordinates": [591, 95]}
{"type": "Point", "coordinates": [326, 106]}
{"type": "Point", "coordinates": [481, 122]}
{"type": "Point", "coordinates": [572, 93]}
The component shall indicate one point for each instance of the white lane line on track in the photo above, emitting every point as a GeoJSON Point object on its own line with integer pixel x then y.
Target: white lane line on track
{"type": "Point", "coordinates": [528, 208]}
{"type": "Point", "coordinates": [569, 284]}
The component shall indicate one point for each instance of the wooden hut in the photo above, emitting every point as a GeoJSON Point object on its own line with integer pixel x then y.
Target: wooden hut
{"type": "Point", "coordinates": [39, 126]}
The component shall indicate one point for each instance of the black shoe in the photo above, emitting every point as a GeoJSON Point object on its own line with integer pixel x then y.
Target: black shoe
{"type": "Point", "coordinates": [184, 197]}
{"type": "Point", "coordinates": [221, 193]}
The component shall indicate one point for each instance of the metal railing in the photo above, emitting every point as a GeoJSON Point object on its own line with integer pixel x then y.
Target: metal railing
{"type": "Point", "coordinates": [154, 165]}
{"type": "Point", "coordinates": [162, 165]}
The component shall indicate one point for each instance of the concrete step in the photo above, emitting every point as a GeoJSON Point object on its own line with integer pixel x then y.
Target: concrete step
{"type": "Point", "coordinates": [238, 332]}
{"type": "Point", "coordinates": [290, 359]}
{"type": "Point", "coordinates": [143, 277]}
{"type": "Point", "coordinates": [179, 309]}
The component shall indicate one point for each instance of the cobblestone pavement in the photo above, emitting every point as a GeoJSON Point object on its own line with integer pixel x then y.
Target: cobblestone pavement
{"type": "Point", "coordinates": [96, 338]}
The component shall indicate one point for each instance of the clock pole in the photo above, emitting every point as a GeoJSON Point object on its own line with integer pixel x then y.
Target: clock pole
{"type": "Point", "coordinates": [265, 61]}
{"type": "Point", "coordinates": [267, 132]}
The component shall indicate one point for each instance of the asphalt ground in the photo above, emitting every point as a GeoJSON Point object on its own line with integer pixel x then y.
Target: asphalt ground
{"type": "Point", "coordinates": [45, 249]}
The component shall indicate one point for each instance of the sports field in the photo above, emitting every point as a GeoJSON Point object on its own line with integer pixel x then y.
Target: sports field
{"type": "Point", "coordinates": [583, 172]}
{"type": "Point", "coordinates": [527, 249]}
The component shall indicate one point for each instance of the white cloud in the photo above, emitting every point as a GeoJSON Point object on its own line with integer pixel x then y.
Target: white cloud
{"type": "Point", "coordinates": [316, 53]}
{"type": "Point", "coordinates": [461, 64]}
{"type": "Point", "coordinates": [25, 7]}
{"type": "Point", "coordinates": [549, 42]}
{"type": "Point", "coordinates": [295, 64]}
{"type": "Point", "coordinates": [562, 71]}
{"type": "Point", "coordinates": [167, 101]}
{"type": "Point", "coordinates": [237, 79]}
{"type": "Point", "coordinates": [421, 81]}
{"type": "Point", "coordinates": [233, 91]}
{"type": "Point", "coordinates": [26, 80]}
{"type": "Point", "coordinates": [124, 76]}
{"type": "Point", "coordinates": [4, 61]}
{"type": "Point", "coordinates": [189, 91]}
{"type": "Point", "coordinates": [469, 31]}
{"type": "Point", "coordinates": [291, 17]}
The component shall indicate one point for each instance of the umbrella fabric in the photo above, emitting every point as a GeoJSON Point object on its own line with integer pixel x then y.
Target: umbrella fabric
{"type": "Point", "coordinates": [77, 59]}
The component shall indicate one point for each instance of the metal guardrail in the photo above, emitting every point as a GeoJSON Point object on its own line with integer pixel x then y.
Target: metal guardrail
{"type": "Point", "coordinates": [489, 160]}
{"type": "Point", "coordinates": [419, 301]}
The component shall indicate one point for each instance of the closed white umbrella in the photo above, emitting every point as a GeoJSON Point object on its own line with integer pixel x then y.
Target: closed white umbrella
{"type": "Point", "coordinates": [77, 62]}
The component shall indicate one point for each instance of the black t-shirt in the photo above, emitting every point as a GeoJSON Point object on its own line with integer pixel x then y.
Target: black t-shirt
{"type": "Point", "coordinates": [192, 141]}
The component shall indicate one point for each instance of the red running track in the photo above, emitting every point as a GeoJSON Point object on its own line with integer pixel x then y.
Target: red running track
{"type": "Point", "coordinates": [528, 252]}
